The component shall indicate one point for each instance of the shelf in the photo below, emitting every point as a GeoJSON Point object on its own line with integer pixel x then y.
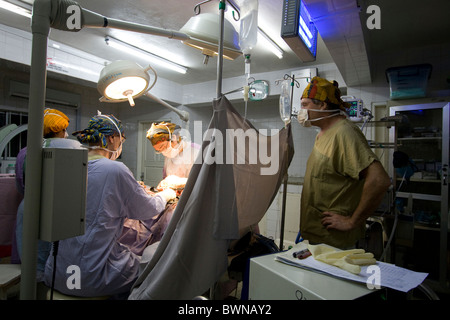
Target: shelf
{"type": "Point", "coordinates": [422, 180]}
{"type": "Point", "coordinates": [382, 145]}
{"type": "Point", "coordinates": [419, 196]}
{"type": "Point", "coordinates": [418, 225]}
{"type": "Point", "coordinates": [377, 123]}
{"type": "Point", "coordinates": [419, 138]}
{"type": "Point", "coordinates": [425, 138]}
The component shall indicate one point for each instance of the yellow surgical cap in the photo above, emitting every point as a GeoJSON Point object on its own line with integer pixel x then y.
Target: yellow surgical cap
{"type": "Point", "coordinates": [324, 90]}
{"type": "Point", "coordinates": [161, 132]}
{"type": "Point", "coordinates": [54, 121]}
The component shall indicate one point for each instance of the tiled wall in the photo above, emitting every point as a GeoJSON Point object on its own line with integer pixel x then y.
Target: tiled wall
{"type": "Point", "coordinates": [15, 45]}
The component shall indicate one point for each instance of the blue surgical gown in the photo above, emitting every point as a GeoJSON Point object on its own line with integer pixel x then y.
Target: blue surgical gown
{"type": "Point", "coordinates": [106, 267]}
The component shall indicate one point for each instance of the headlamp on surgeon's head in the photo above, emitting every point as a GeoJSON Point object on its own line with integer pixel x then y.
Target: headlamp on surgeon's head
{"type": "Point", "coordinates": [161, 131]}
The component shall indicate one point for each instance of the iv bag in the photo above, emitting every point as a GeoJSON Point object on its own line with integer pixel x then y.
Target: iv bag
{"type": "Point", "coordinates": [285, 101]}
{"type": "Point", "coordinates": [248, 32]}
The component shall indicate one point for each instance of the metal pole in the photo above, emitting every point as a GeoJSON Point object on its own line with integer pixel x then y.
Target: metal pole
{"type": "Point", "coordinates": [40, 25]}
{"type": "Point", "coordinates": [445, 225]}
{"type": "Point", "coordinates": [184, 115]}
{"type": "Point", "coordinates": [285, 179]}
{"type": "Point", "coordinates": [283, 210]}
{"type": "Point", "coordinates": [219, 80]}
{"type": "Point", "coordinates": [220, 51]}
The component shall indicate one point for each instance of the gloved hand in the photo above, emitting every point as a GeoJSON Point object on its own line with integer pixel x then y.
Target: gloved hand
{"type": "Point", "coordinates": [168, 194]}
{"type": "Point", "coordinates": [349, 260]}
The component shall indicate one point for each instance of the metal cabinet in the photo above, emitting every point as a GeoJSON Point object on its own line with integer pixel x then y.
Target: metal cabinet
{"type": "Point", "coordinates": [422, 133]}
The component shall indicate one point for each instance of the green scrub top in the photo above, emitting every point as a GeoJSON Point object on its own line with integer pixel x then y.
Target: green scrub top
{"type": "Point", "coordinates": [332, 182]}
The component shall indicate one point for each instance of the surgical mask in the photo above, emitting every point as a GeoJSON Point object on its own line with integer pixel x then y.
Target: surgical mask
{"type": "Point", "coordinates": [303, 116]}
{"type": "Point", "coordinates": [171, 152]}
{"type": "Point", "coordinates": [115, 154]}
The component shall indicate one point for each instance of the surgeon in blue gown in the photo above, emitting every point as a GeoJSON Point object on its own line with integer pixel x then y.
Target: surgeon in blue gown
{"type": "Point", "coordinates": [96, 264]}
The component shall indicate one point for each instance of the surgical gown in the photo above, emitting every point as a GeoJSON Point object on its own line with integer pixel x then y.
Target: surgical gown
{"type": "Point", "coordinates": [106, 267]}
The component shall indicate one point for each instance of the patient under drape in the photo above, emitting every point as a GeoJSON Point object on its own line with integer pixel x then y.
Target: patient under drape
{"type": "Point", "coordinates": [221, 199]}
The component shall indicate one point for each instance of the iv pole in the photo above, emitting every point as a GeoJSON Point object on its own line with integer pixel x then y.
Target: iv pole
{"type": "Point", "coordinates": [220, 52]}
{"type": "Point", "coordinates": [285, 179]}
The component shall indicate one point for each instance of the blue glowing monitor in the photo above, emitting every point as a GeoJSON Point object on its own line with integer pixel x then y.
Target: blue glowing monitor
{"type": "Point", "coordinates": [298, 30]}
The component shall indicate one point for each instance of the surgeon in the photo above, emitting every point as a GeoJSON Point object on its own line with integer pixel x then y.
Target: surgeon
{"type": "Point", "coordinates": [54, 134]}
{"type": "Point", "coordinates": [179, 152]}
{"type": "Point", "coordinates": [344, 180]}
{"type": "Point", "coordinates": [102, 266]}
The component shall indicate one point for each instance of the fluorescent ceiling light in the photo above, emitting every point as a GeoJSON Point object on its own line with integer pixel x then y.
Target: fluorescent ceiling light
{"type": "Point", "coordinates": [15, 8]}
{"type": "Point", "coordinates": [145, 55]}
{"type": "Point", "coordinates": [272, 45]}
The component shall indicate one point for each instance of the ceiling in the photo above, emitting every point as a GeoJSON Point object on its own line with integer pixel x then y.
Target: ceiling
{"type": "Point", "coordinates": [344, 40]}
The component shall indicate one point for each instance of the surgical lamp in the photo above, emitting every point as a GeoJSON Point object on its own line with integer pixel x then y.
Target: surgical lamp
{"type": "Point", "coordinates": [124, 80]}
{"type": "Point", "coordinates": [67, 15]}
{"type": "Point", "coordinates": [203, 30]}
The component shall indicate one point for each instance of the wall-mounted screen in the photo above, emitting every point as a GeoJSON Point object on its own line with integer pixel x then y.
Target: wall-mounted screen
{"type": "Point", "coordinates": [298, 30]}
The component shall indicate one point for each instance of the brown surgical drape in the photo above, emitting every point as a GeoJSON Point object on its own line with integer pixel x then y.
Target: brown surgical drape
{"type": "Point", "coordinates": [218, 202]}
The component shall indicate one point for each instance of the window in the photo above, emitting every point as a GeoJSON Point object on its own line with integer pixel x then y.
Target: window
{"type": "Point", "coordinates": [20, 140]}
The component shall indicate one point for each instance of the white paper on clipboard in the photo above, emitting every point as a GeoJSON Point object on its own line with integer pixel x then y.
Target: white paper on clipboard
{"type": "Point", "coordinates": [382, 274]}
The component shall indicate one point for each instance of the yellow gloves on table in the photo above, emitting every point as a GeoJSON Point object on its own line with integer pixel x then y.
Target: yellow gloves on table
{"type": "Point", "coordinates": [349, 260]}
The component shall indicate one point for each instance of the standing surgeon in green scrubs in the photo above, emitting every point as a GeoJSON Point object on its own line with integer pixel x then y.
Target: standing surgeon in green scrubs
{"type": "Point", "coordinates": [344, 180]}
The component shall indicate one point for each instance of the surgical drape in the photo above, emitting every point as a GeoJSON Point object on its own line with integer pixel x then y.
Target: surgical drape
{"type": "Point", "coordinates": [222, 198]}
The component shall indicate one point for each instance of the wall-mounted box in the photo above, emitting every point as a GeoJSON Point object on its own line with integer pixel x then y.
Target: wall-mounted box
{"type": "Point", "coordinates": [63, 193]}
{"type": "Point", "coordinates": [408, 82]}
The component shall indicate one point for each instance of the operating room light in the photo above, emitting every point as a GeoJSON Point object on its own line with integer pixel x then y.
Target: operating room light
{"type": "Point", "coordinates": [123, 80]}
{"type": "Point", "coordinates": [15, 8]}
{"type": "Point", "coordinates": [117, 89]}
{"type": "Point", "coordinates": [203, 30]}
